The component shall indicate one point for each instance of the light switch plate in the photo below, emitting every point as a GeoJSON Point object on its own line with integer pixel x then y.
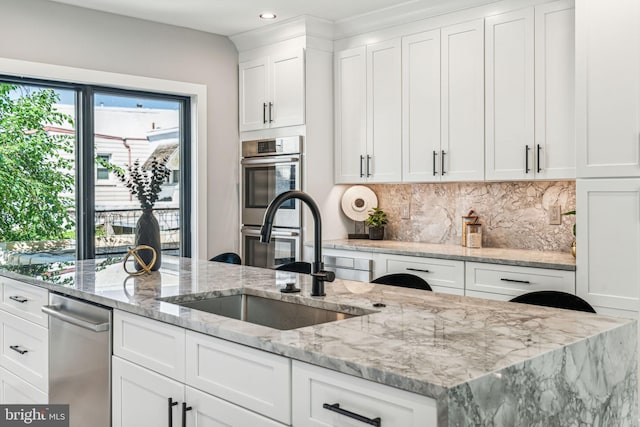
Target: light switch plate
{"type": "Point", "coordinates": [405, 212]}
{"type": "Point", "coordinates": [555, 218]}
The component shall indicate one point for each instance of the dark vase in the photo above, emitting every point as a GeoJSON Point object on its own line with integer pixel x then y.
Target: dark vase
{"type": "Point", "coordinates": [148, 233]}
{"type": "Point", "coordinates": [376, 233]}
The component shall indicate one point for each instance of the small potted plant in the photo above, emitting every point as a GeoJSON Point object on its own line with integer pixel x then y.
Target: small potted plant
{"type": "Point", "coordinates": [376, 221]}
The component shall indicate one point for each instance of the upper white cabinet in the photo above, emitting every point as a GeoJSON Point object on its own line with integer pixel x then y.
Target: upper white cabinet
{"type": "Point", "coordinates": [461, 157]}
{"type": "Point", "coordinates": [272, 91]}
{"type": "Point", "coordinates": [529, 93]}
{"type": "Point", "coordinates": [608, 88]}
{"type": "Point", "coordinates": [368, 113]}
{"type": "Point", "coordinates": [608, 243]}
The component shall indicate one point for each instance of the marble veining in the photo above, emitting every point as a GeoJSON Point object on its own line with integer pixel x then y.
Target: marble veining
{"type": "Point", "coordinates": [446, 347]}
{"type": "Point", "coordinates": [513, 214]}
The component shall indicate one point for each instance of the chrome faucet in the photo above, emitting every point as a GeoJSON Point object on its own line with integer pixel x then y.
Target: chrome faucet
{"type": "Point", "coordinates": [319, 275]}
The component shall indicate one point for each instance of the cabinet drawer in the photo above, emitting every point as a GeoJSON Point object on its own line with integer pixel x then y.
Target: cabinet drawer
{"type": "Point", "coordinates": [149, 343]}
{"type": "Point", "coordinates": [253, 379]}
{"type": "Point", "coordinates": [439, 273]}
{"type": "Point", "coordinates": [514, 281]}
{"type": "Point", "coordinates": [313, 387]}
{"type": "Point", "coordinates": [24, 350]}
{"type": "Point", "coordinates": [14, 390]}
{"type": "Point", "coordinates": [24, 300]}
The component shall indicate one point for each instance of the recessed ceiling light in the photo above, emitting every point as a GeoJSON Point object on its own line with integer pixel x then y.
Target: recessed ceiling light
{"type": "Point", "coordinates": [268, 15]}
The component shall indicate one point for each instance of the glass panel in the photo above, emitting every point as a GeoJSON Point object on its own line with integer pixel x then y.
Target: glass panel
{"type": "Point", "coordinates": [37, 174]}
{"type": "Point", "coordinates": [280, 250]}
{"type": "Point", "coordinates": [134, 131]}
{"type": "Point", "coordinates": [263, 183]}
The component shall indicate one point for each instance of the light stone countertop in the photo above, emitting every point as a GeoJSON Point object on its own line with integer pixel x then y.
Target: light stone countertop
{"type": "Point", "coordinates": [518, 257]}
{"type": "Point", "coordinates": [436, 345]}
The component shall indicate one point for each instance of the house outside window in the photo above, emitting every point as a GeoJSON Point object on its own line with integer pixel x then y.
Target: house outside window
{"type": "Point", "coordinates": [102, 173]}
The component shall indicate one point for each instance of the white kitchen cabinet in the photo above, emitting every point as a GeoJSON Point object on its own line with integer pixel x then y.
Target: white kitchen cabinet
{"type": "Point", "coordinates": [461, 157]}
{"type": "Point", "coordinates": [504, 282]}
{"type": "Point", "coordinates": [608, 243]}
{"type": "Point", "coordinates": [446, 276]}
{"type": "Point", "coordinates": [272, 91]}
{"type": "Point", "coordinates": [368, 114]}
{"type": "Point", "coordinates": [421, 107]}
{"type": "Point", "coordinates": [14, 390]}
{"type": "Point", "coordinates": [325, 398]}
{"type": "Point", "coordinates": [529, 93]}
{"type": "Point", "coordinates": [608, 88]}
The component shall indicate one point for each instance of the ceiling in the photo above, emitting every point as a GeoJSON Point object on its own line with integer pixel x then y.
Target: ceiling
{"type": "Point", "coordinates": [229, 17]}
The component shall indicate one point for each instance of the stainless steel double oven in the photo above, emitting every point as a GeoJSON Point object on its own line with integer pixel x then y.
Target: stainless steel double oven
{"type": "Point", "coordinates": [271, 167]}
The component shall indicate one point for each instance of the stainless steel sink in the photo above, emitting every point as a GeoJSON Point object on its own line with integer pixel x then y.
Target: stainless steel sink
{"type": "Point", "coordinates": [273, 313]}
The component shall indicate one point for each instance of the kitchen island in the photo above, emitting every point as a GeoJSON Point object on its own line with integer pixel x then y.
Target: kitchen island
{"type": "Point", "coordinates": [484, 362]}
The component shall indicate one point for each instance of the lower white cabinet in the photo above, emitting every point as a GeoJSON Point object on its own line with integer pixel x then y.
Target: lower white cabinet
{"type": "Point", "coordinates": [325, 398]}
{"type": "Point", "coordinates": [442, 275]}
{"type": "Point", "coordinates": [15, 390]}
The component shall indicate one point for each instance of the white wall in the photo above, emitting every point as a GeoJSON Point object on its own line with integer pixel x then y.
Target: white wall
{"type": "Point", "coordinates": [52, 33]}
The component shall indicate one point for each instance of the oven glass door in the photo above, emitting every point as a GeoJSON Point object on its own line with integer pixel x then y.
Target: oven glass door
{"type": "Point", "coordinates": [262, 180]}
{"type": "Point", "coordinates": [283, 248]}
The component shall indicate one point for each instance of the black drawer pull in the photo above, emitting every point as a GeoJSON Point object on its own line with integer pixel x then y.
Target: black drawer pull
{"type": "Point", "coordinates": [526, 282]}
{"type": "Point", "coordinates": [18, 298]}
{"type": "Point", "coordinates": [336, 408]}
{"type": "Point", "coordinates": [417, 269]}
{"type": "Point", "coordinates": [185, 408]}
{"type": "Point", "coordinates": [18, 349]}
{"type": "Point", "coordinates": [171, 405]}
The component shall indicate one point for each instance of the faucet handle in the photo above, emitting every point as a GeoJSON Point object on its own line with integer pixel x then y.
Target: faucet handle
{"type": "Point", "coordinates": [325, 276]}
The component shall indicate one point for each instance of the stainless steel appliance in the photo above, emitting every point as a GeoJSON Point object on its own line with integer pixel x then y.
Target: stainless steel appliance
{"type": "Point", "coordinates": [270, 167]}
{"type": "Point", "coordinates": [80, 359]}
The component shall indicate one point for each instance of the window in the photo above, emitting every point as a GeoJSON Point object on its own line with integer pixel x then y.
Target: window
{"type": "Point", "coordinates": [83, 133]}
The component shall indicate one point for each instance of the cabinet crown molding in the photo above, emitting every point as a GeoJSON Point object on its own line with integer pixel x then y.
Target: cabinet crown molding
{"type": "Point", "coordinates": [300, 26]}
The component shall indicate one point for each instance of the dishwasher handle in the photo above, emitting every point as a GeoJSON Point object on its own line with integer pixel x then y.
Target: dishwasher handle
{"type": "Point", "coordinates": [58, 313]}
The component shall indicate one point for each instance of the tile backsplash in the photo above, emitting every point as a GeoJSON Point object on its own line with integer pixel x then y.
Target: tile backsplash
{"type": "Point", "coordinates": [513, 214]}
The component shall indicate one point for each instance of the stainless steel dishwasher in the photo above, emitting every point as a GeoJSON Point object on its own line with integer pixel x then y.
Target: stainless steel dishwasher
{"type": "Point", "coordinates": [80, 359]}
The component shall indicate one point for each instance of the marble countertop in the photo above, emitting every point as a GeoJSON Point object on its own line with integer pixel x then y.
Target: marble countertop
{"type": "Point", "coordinates": [423, 342]}
{"type": "Point", "coordinates": [518, 257]}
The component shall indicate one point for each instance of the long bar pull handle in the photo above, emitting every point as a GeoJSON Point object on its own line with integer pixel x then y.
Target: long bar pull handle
{"type": "Point", "coordinates": [18, 298]}
{"type": "Point", "coordinates": [270, 112]}
{"type": "Point", "coordinates": [185, 408]}
{"type": "Point", "coordinates": [57, 312]}
{"type": "Point", "coordinates": [369, 166]}
{"type": "Point", "coordinates": [526, 159]}
{"type": "Point", "coordinates": [361, 166]}
{"type": "Point", "coordinates": [337, 409]}
{"type": "Point", "coordinates": [264, 113]}
{"type": "Point", "coordinates": [442, 163]}
{"type": "Point", "coordinates": [526, 282]}
{"type": "Point", "coordinates": [171, 405]}
{"type": "Point", "coordinates": [539, 169]}
{"type": "Point", "coordinates": [18, 349]}
{"type": "Point", "coordinates": [435, 171]}
{"type": "Point", "coordinates": [417, 269]}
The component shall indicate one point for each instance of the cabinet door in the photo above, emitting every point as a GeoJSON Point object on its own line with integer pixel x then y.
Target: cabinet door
{"type": "Point", "coordinates": [209, 411]}
{"type": "Point", "coordinates": [384, 94]}
{"type": "Point", "coordinates": [350, 115]}
{"type": "Point", "coordinates": [462, 103]}
{"type": "Point", "coordinates": [608, 242]}
{"type": "Point", "coordinates": [555, 145]}
{"type": "Point", "coordinates": [509, 95]}
{"type": "Point", "coordinates": [141, 397]}
{"type": "Point", "coordinates": [253, 103]}
{"type": "Point", "coordinates": [421, 107]}
{"type": "Point", "coordinates": [287, 89]}
{"type": "Point", "coordinates": [14, 390]}
{"type": "Point", "coordinates": [608, 88]}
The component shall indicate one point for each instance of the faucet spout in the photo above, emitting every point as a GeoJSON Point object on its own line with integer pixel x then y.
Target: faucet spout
{"type": "Point", "coordinates": [319, 276]}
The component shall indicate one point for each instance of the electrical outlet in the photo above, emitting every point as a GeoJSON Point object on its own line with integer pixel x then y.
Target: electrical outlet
{"type": "Point", "coordinates": [405, 212]}
{"type": "Point", "coordinates": [555, 218]}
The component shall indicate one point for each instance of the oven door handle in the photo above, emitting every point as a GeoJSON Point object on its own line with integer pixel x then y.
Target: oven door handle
{"type": "Point", "coordinates": [270, 160]}
{"type": "Point", "coordinates": [274, 233]}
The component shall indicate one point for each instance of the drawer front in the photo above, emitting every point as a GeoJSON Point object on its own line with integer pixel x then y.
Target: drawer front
{"type": "Point", "coordinates": [209, 411]}
{"type": "Point", "coordinates": [437, 272]}
{"type": "Point", "coordinates": [24, 300]}
{"type": "Point", "coordinates": [14, 390]}
{"type": "Point", "coordinates": [250, 378]}
{"type": "Point", "coordinates": [513, 281]}
{"type": "Point", "coordinates": [149, 343]}
{"type": "Point", "coordinates": [315, 387]}
{"type": "Point", "coordinates": [24, 350]}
